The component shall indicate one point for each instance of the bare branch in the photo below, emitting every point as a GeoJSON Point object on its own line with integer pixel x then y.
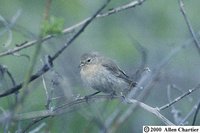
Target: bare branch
{"type": "Point", "coordinates": [37, 129]}
{"type": "Point", "coordinates": [33, 123]}
{"type": "Point", "coordinates": [47, 66]}
{"type": "Point", "coordinates": [40, 115]}
{"type": "Point", "coordinates": [180, 97]}
{"type": "Point", "coordinates": [132, 4]}
{"type": "Point", "coordinates": [121, 8]}
{"type": "Point", "coordinates": [7, 29]}
{"type": "Point", "coordinates": [184, 120]}
{"type": "Point", "coordinates": [196, 113]}
{"type": "Point", "coordinates": [152, 110]}
{"type": "Point", "coordinates": [150, 78]}
{"type": "Point", "coordinates": [48, 96]}
{"type": "Point", "coordinates": [175, 112]}
{"type": "Point", "coordinates": [79, 32]}
{"type": "Point", "coordinates": [189, 25]}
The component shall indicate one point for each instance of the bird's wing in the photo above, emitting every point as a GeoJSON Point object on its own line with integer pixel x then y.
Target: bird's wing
{"type": "Point", "coordinates": [115, 70]}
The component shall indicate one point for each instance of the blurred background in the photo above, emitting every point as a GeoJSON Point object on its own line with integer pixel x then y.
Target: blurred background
{"type": "Point", "coordinates": [156, 28]}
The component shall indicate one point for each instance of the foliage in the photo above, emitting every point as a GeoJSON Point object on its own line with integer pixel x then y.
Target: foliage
{"type": "Point", "coordinates": [152, 34]}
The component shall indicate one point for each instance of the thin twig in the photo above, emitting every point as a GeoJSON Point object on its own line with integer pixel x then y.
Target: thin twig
{"type": "Point", "coordinates": [14, 83]}
{"type": "Point", "coordinates": [14, 89]}
{"type": "Point", "coordinates": [179, 98]}
{"type": "Point", "coordinates": [9, 26]}
{"type": "Point", "coordinates": [196, 113]}
{"type": "Point", "coordinates": [79, 32]}
{"type": "Point", "coordinates": [47, 66]}
{"type": "Point", "coordinates": [144, 57]}
{"type": "Point", "coordinates": [37, 129]}
{"type": "Point", "coordinates": [184, 120]}
{"type": "Point", "coordinates": [48, 96]}
{"type": "Point", "coordinates": [33, 123]}
{"type": "Point", "coordinates": [62, 109]}
{"type": "Point", "coordinates": [7, 29]}
{"type": "Point", "coordinates": [151, 78]}
{"type": "Point", "coordinates": [189, 25]}
{"type": "Point", "coordinates": [4, 69]}
{"type": "Point", "coordinates": [9, 74]}
{"type": "Point", "coordinates": [131, 4]}
{"type": "Point", "coordinates": [175, 112]}
{"type": "Point", "coordinates": [152, 110]}
{"type": "Point", "coordinates": [41, 115]}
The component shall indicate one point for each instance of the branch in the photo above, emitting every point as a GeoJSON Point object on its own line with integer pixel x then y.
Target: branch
{"type": "Point", "coordinates": [189, 25]}
{"type": "Point", "coordinates": [196, 113]}
{"type": "Point", "coordinates": [79, 32]}
{"type": "Point", "coordinates": [40, 115]}
{"type": "Point", "coordinates": [175, 112]}
{"type": "Point", "coordinates": [150, 79]}
{"type": "Point", "coordinates": [152, 110]}
{"type": "Point", "coordinates": [132, 4]}
{"type": "Point", "coordinates": [33, 123]}
{"type": "Point", "coordinates": [47, 66]}
{"type": "Point", "coordinates": [179, 98]}
{"type": "Point", "coordinates": [184, 120]}
{"type": "Point", "coordinates": [14, 89]}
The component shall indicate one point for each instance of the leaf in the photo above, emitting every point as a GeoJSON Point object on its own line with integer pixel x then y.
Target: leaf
{"type": "Point", "coordinates": [52, 26]}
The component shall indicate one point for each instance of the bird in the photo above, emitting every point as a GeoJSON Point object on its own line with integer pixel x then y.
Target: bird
{"type": "Point", "coordinates": [103, 74]}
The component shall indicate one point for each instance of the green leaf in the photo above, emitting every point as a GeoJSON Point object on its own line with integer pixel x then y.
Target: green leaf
{"type": "Point", "coordinates": [52, 26]}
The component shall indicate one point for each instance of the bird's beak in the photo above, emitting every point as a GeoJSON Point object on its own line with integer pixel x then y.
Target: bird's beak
{"type": "Point", "coordinates": [80, 65]}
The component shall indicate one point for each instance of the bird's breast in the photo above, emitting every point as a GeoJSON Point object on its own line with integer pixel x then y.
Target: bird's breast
{"type": "Point", "coordinates": [89, 71]}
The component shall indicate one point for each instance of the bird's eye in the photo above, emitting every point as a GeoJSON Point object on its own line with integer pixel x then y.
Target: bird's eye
{"type": "Point", "coordinates": [89, 60]}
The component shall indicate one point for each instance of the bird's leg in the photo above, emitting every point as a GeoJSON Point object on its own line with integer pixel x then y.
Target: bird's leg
{"type": "Point", "coordinates": [132, 84]}
{"type": "Point", "coordinates": [88, 96]}
{"type": "Point", "coordinates": [112, 94]}
{"type": "Point", "coordinates": [123, 99]}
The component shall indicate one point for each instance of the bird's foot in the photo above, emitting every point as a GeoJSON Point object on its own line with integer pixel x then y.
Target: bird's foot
{"type": "Point", "coordinates": [88, 96]}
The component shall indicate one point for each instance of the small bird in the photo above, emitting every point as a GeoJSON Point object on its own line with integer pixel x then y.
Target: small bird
{"type": "Point", "coordinates": [103, 75]}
